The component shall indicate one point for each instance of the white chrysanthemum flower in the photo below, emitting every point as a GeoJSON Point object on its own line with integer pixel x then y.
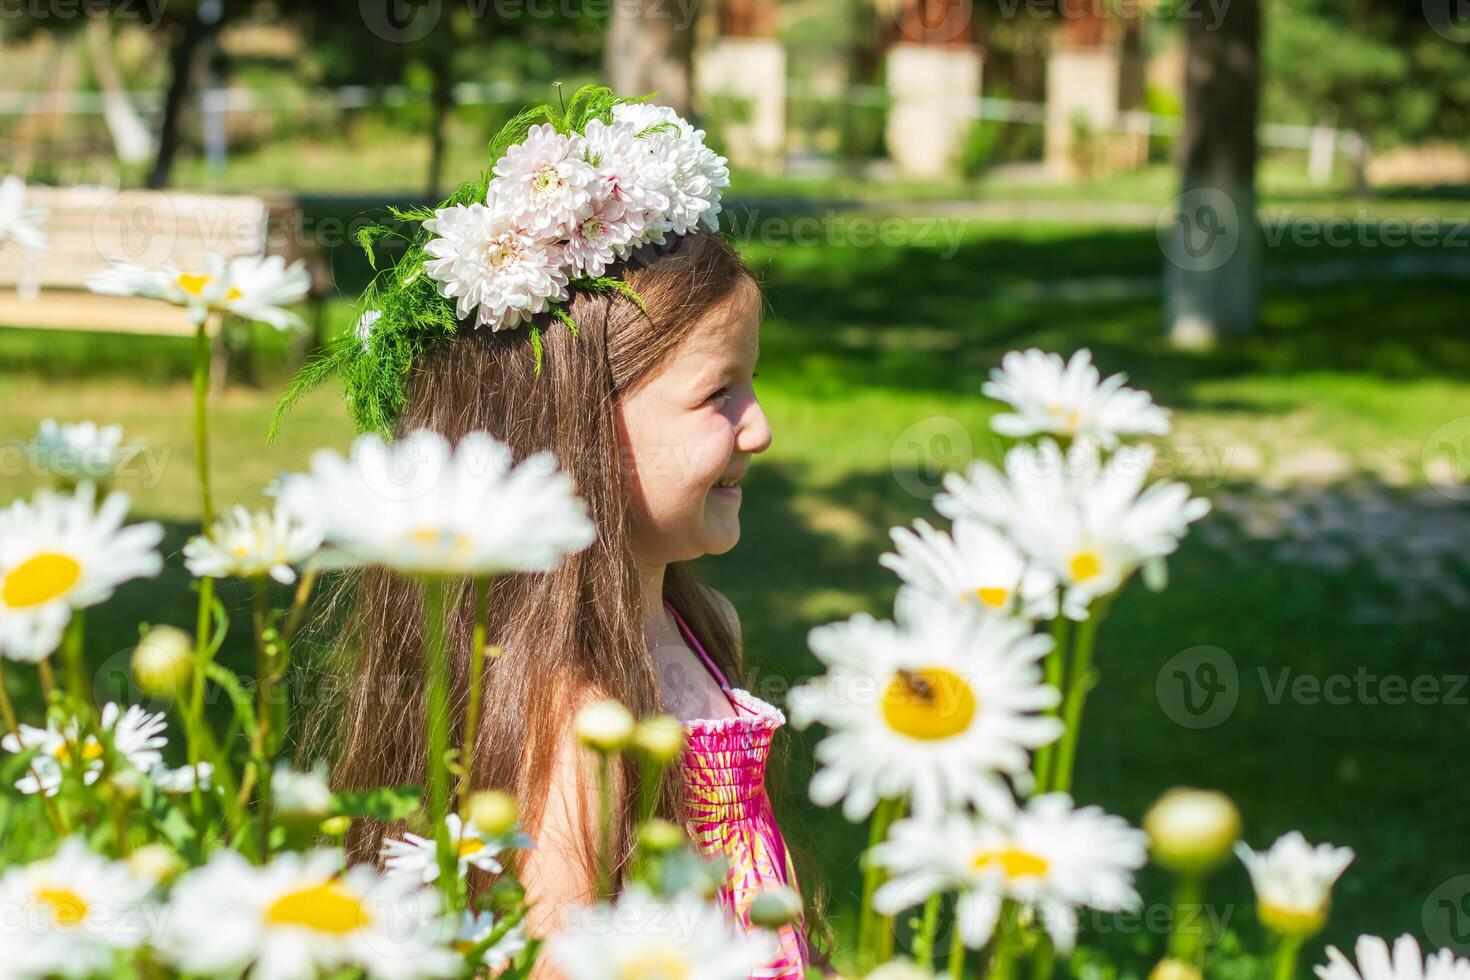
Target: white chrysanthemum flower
{"type": "Point", "coordinates": [628, 172]}
{"type": "Point", "coordinates": [605, 233]}
{"type": "Point", "coordinates": [364, 328]}
{"type": "Point", "coordinates": [419, 506]}
{"type": "Point", "coordinates": [696, 174]}
{"type": "Point", "coordinates": [1070, 399]}
{"type": "Point", "coordinates": [543, 184]}
{"type": "Point", "coordinates": [1088, 522]}
{"type": "Point", "coordinates": [79, 451]}
{"type": "Point", "coordinates": [976, 565]}
{"type": "Point", "coordinates": [19, 223]}
{"type": "Point", "coordinates": [1375, 962]}
{"type": "Point", "coordinates": [477, 927]}
{"type": "Point", "coordinates": [71, 912]}
{"type": "Point", "coordinates": [180, 780]}
{"type": "Point", "coordinates": [490, 267]}
{"type": "Point", "coordinates": [61, 553]}
{"type": "Point", "coordinates": [1293, 882]}
{"type": "Point", "coordinates": [935, 707]}
{"type": "Point", "coordinates": [641, 935]}
{"type": "Point", "coordinates": [253, 287]}
{"type": "Point", "coordinates": [1048, 857]}
{"type": "Point", "coordinates": [415, 856]}
{"type": "Point", "coordinates": [246, 545]}
{"type": "Point", "coordinates": [302, 916]}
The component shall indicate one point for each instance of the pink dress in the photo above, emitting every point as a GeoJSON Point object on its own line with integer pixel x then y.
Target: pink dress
{"type": "Point", "coordinates": [725, 776]}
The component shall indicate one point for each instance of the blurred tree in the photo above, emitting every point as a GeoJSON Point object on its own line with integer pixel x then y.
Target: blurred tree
{"type": "Point", "coordinates": [1213, 261]}
{"type": "Point", "coordinates": [649, 46]}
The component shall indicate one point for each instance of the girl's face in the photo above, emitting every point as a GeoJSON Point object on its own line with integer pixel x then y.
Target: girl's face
{"type": "Point", "coordinates": [694, 425]}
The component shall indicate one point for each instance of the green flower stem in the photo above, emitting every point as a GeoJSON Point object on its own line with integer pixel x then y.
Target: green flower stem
{"type": "Point", "coordinates": [437, 730]}
{"type": "Point", "coordinates": [72, 650]}
{"type": "Point", "coordinates": [1003, 946]}
{"type": "Point", "coordinates": [298, 602]}
{"type": "Point", "coordinates": [1079, 681]}
{"type": "Point", "coordinates": [193, 714]}
{"type": "Point", "coordinates": [1044, 959]}
{"type": "Point", "coordinates": [266, 672]}
{"type": "Point", "coordinates": [12, 726]}
{"type": "Point", "coordinates": [481, 588]}
{"type": "Point", "coordinates": [1286, 956]}
{"type": "Point", "coordinates": [870, 923]}
{"type": "Point", "coordinates": [604, 823]}
{"type": "Point", "coordinates": [201, 430]}
{"type": "Point", "coordinates": [956, 947]}
{"type": "Point", "coordinates": [1185, 944]}
{"type": "Point", "coordinates": [1055, 662]}
{"type": "Point", "coordinates": [924, 940]}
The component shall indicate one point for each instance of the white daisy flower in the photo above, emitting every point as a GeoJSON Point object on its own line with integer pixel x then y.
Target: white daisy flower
{"type": "Point", "coordinates": [641, 935]}
{"type": "Point", "coordinates": [301, 916]}
{"type": "Point", "coordinates": [415, 856]}
{"type": "Point", "coordinates": [491, 267]}
{"type": "Point", "coordinates": [1069, 399]}
{"type": "Point", "coordinates": [629, 174]}
{"type": "Point", "coordinates": [61, 553]}
{"type": "Point", "coordinates": [543, 184]}
{"type": "Point", "coordinates": [476, 927]}
{"type": "Point", "coordinates": [1088, 522]}
{"type": "Point", "coordinates": [975, 565]}
{"type": "Point", "coordinates": [137, 737]}
{"type": "Point", "coordinates": [246, 545]}
{"type": "Point", "coordinates": [696, 174]}
{"type": "Point", "coordinates": [364, 328]}
{"type": "Point", "coordinates": [71, 912]}
{"type": "Point", "coordinates": [1293, 882]}
{"type": "Point", "coordinates": [419, 506]}
{"type": "Point", "coordinates": [80, 450]}
{"type": "Point", "coordinates": [1375, 962]}
{"type": "Point", "coordinates": [935, 707]}
{"type": "Point", "coordinates": [19, 223]}
{"type": "Point", "coordinates": [181, 780]}
{"type": "Point", "coordinates": [253, 287]}
{"type": "Point", "coordinates": [1048, 857]}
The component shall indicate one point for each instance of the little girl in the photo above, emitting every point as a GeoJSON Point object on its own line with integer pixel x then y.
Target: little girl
{"type": "Point", "coordinates": [652, 410]}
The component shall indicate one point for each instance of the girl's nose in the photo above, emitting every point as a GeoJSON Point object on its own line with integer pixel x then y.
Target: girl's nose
{"type": "Point", "coordinates": [755, 430]}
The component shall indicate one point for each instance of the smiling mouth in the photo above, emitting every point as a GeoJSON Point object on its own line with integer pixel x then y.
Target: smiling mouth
{"type": "Point", "coordinates": [727, 484]}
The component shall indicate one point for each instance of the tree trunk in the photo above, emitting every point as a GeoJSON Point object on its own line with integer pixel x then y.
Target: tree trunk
{"type": "Point", "coordinates": [130, 139]}
{"type": "Point", "coordinates": [182, 55]}
{"type": "Point", "coordinates": [1211, 279]}
{"type": "Point", "coordinates": [441, 100]}
{"type": "Point", "coordinates": [649, 45]}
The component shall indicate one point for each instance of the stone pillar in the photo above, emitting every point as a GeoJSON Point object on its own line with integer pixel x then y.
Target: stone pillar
{"type": "Point", "coordinates": [741, 86]}
{"type": "Point", "coordinates": [1094, 75]}
{"type": "Point", "coordinates": [934, 91]}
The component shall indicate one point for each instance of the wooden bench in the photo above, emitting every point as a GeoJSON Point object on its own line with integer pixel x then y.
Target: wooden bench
{"type": "Point", "coordinates": [87, 227]}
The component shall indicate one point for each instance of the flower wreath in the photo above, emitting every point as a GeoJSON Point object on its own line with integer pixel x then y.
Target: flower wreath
{"type": "Point", "coordinates": [574, 188]}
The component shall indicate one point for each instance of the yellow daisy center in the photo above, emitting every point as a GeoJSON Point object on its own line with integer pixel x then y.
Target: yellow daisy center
{"type": "Point", "coordinates": [327, 906]}
{"type": "Point", "coordinates": [67, 907]}
{"type": "Point", "coordinates": [195, 283]}
{"type": "Point", "coordinates": [929, 704]}
{"type": "Point", "coordinates": [1012, 862]}
{"type": "Point", "coordinates": [469, 845]}
{"type": "Point", "coordinates": [1069, 417]}
{"type": "Point", "coordinates": [91, 751]}
{"type": "Point", "coordinates": [39, 579]}
{"type": "Point", "coordinates": [439, 539]}
{"type": "Point", "coordinates": [992, 595]}
{"type": "Point", "coordinates": [655, 964]}
{"type": "Point", "coordinates": [1085, 565]}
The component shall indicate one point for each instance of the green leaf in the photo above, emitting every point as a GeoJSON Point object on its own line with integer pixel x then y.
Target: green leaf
{"type": "Point", "coordinates": [536, 346]}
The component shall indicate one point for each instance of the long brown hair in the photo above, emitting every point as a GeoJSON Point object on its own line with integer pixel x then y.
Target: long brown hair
{"type": "Point", "coordinates": [576, 629]}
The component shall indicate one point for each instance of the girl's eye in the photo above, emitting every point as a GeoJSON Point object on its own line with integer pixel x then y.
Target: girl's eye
{"type": "Point", "coordinates": [721, 392]}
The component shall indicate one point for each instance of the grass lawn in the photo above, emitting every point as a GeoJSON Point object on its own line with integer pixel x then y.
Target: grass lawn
{"type": "Point", "coordinates": [872, 360]}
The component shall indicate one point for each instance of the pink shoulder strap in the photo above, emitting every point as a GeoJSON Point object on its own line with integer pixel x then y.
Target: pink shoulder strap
{"type": "Point", "coordinates": [694, 642]}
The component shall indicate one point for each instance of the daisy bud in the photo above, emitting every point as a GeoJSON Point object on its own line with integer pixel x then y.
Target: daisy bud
{"type": "Point", "coordinates": [1293, 882]}
{"type": "Point", "coordinates": [494, 812]}
{"type": "Point", "coordinates": [300, 797]}
{"type": "Point", "coordinates": [336, 826]}
{"type": "Point", "coordinates": [128, 783]}
{"type": "Point", "coordinates": [155, 862]}
{"type": "Point", "coordinates": [605, 726]}
{"type": "Point", "coordinates": [658, 835]}
{"type": "Point", "coordinates": [660, 737]}
{"type": "Point", "coordinates": [775, 907]}
{"type": "Point", "coordinates": [163, 660]}
{"type": "Point", "coordinates": [1192, 830]}
{"type": "Point", "coordinates": [900, 970]}
{"type": "Point", "coordinates": [1171, 969]}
